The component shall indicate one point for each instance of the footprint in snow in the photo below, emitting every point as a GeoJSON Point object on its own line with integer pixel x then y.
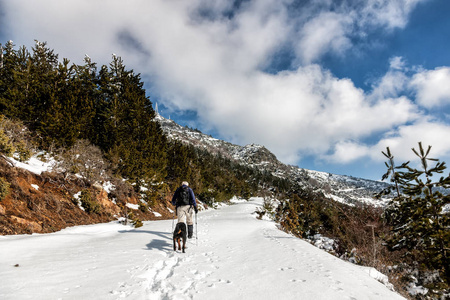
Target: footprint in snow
{"type": "Point", "coordinates": [286, 269]}
{"type": "Point", "coordinates": [298, 280]}
{"type": "Point", "coordinates": [219, 281]}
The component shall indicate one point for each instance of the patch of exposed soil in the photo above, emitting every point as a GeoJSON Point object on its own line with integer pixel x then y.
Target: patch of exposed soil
{"type": "Point", "coordinates": [45, 203]}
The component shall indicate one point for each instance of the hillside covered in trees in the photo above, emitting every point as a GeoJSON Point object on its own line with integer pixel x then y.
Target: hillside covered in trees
{"type": "Point", "coordinates": [61, 103]}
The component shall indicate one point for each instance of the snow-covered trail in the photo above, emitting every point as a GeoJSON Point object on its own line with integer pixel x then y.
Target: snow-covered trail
{"type": "Point", "coordinates": [237, 257]}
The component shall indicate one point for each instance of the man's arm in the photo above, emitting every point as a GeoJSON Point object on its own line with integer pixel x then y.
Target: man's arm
{"type": "Point", "coordinates": [194, 201]}
{"type": "Point", "coordinates": [174, 198]}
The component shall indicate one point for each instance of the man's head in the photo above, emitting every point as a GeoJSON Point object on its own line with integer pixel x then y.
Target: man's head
{"type": "Point", "coordinates": [185, 183]}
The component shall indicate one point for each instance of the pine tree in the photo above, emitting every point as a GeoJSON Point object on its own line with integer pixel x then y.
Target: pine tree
{"type": "Point", "coordinates": [419, 223]}
{"type": "Point", "coordinates": [103, 136]}
{"type": "Point", "coordinates": [42, 97]}
{"type": "Point", "coordinates": [7, 66]}
{"type": "Point", "coordinates": [15, 81]}
{"type": "Point", "coordinates": [178, 162]}
{"type": "Point", "coordinates": [132, 134]}
{"type": "Point", "coordinates": [77, 91]}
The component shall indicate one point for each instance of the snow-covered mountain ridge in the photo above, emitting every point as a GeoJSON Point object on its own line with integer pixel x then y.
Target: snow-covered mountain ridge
{"type": "Point", "coordinates": [342, 188]}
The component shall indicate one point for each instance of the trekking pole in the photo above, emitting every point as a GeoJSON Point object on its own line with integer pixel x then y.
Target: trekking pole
{"type": "Point", "coordinates": [173, 219]}
{"type": "Point", "coordinates": [196, 231]}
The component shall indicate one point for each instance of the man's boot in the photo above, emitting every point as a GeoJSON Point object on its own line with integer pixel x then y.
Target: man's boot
{"type": "Point", "coordinates": [190, 231]}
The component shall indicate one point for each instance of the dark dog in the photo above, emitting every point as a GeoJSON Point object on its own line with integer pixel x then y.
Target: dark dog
{"type": "Point", "coordinates": [178, 235]}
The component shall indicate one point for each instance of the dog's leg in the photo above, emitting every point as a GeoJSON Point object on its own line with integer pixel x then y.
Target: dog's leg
{"type": "Point", "coordinates": [179, 245]}
{"type": "Point", "coordinates": [184, 245]}
{"type": "Point", "coordinates": [174, 245]}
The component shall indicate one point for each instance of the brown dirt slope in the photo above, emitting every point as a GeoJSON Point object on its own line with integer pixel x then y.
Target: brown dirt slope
{"type": "Point", "coordinates": [44, 203]}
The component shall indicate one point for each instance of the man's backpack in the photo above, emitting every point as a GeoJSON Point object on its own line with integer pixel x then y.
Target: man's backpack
{"type": "Point", "coordinates": [183, 196]}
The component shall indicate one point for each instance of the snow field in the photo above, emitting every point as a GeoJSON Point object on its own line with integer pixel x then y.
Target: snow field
{"type": "Point", "coordinates": [236, 256]}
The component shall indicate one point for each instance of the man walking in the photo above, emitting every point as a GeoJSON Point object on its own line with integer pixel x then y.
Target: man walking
{"type": "Point", "coordinates": [185, 205]}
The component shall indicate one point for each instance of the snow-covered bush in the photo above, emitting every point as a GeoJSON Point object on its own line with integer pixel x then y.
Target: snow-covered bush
{"type": "Point", "coordinates": [268, 209]}
{"type": "Point", "coordinates": [120, 191]}
{"type": "Point", "coordinates": [83, 159]}
{"type": "Point", "coordinates": [324, 243]}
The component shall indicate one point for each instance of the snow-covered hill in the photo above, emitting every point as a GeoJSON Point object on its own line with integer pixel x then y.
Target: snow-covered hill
{"type": "Point", "coordinates": [235, 256]}
{"type": "Point", "coordinates": [346, 189]}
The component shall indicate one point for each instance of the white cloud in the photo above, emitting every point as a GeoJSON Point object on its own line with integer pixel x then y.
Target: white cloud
{"type": "Point", "coordinates": [328, 27]}
{"type": "Point", "coordinates": [432, 87]}
{"type": "Point", "coordinates": [390, 85]}
{"type": "Point", "coordinates": [400, 141]}
{"type": "Point", "coordinates": [389, 13]}
{"type": "Point", "coordinates": [347, 151]}
{"type": "Point", "coordinates": [306, 110]}
{"type": "Point", "coordinates": [397, 63]}
{"type": "Point", "coordinates": [406, 137]}
{"type": "Point", "coordinates": [393, 83]}
{"type": "Point", "coordinates": [325, 33]}
{"type": "Point", "coordinates": [201, 56]}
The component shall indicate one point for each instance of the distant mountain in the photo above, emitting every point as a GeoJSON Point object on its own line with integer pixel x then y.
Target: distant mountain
{"type": "Point", "coordinates": [346, 189]}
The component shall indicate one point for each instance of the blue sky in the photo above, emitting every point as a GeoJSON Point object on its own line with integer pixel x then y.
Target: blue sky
{"type": "Point", "coordinates": [325, 85]}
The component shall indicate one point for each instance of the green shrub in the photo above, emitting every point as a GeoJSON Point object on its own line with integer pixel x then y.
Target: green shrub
{"type": "Point", "coordinates": [15, 137]}
{"type": "Point", "coordinates": [142, 207]}
{"type": "Point", "coordinates": [135, 220]}
{"type": "Point", "coordinates": [151, 199]}
{"type": "Point", "coordinates": [23, 151]}
{"type": "Point", "coordinates": [137, 223]}
{"type": "Point", "coordinates": [4, 188]}
{"type": "Point", "coordinates": [6, 147]}
{"type": "Point", "coordinates": [89, 202]}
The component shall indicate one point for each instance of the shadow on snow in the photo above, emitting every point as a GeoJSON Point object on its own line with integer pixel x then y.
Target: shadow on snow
{"type": "Point", "coordinates": [164, 244]}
